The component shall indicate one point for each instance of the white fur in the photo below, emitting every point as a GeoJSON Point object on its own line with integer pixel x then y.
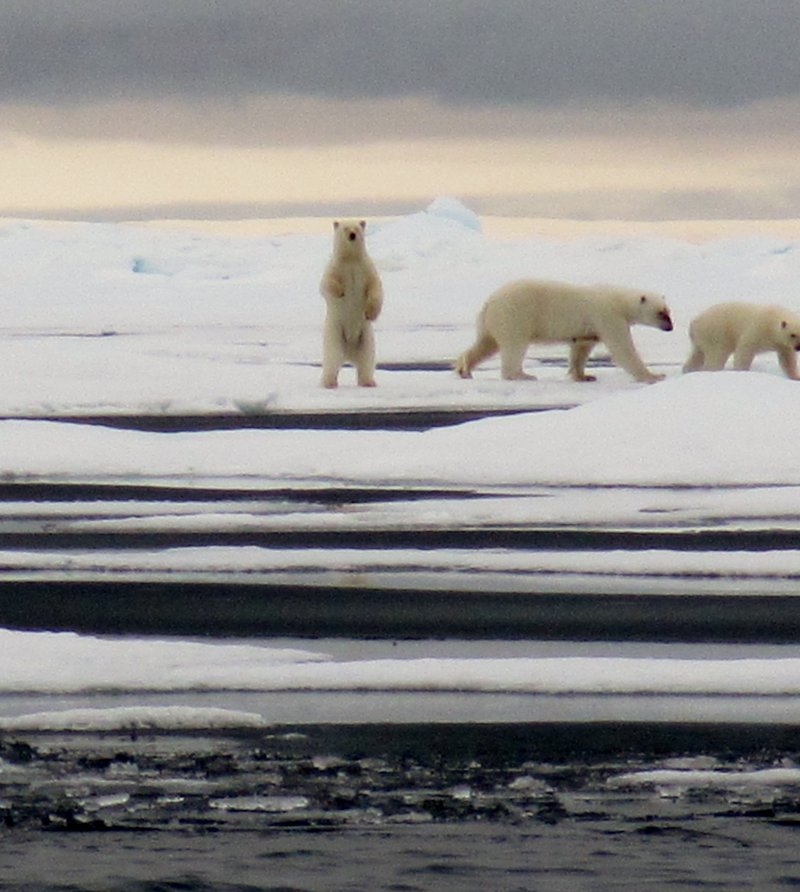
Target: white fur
{"type": "Point", "coordinates": [353, 295]}
{"type": "Point", "coordinates": [539, 311]}
{"type": "Point", "coordinates": [744, 330]}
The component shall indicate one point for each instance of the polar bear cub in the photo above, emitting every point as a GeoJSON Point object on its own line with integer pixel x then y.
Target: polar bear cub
{"type": "Point", "coordinates": [353, 295]}
{"type": "Point", "coordinates": [743, 329]}
{"type": "Point", "coordinates": [539, 311]}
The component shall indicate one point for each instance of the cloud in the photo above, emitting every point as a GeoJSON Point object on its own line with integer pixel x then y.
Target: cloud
{"type": "Point", "coordinates": [646, 204]}
{"type": "Point", "coordinates": [539, 52]}
{"type": "Point", "coordinates": [216, 210]}
{"type": "Point", "coordinates": [584, 108]}
{"type": "Point", "coordinates": [307, 121]}
{"type": "Point", "coordinates": [626, 172]}
{"type": "Point", "coordinates": [611, 204]}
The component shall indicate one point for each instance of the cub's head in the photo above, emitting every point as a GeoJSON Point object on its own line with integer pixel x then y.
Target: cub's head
{"type": "Point", "coordinates": [652, 310]}
{"type": "Point", "coordinates": [348, 236]}
{"type": "Point", "coordinates": [789, 330]}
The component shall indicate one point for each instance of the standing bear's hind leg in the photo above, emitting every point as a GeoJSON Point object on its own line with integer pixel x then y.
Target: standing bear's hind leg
{"type": "Point", "coordinates": [332, 357]}
{"type": "Point", "coordinates": [364, 357]}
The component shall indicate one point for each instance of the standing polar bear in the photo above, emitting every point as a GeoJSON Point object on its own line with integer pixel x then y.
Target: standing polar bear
{"type": "Point", "coordinates": [743, 329]}
{"type": "Point", "coordinates": [538, 311]}
{"type": "Point", "coordinates": [353, 294]}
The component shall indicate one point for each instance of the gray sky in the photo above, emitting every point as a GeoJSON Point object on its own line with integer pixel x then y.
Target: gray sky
{"type": "Point", "coordinates": [710, 52]}
{"type": "Point", "coordinates": [320, 73]}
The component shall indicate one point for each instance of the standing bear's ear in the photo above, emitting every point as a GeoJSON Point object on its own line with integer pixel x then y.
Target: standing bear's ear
{"type": "Point", "coordinates": [643, 299]}
{"type": "Point", "coordinates": [783, 323]}
{"type": "Point", "coordinates": [362, 224]}
{"type": "Point", "coordinates": [335, 224]}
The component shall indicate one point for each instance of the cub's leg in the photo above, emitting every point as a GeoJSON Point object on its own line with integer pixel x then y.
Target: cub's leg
{"type": "Point", "coordinates": [716, 357]}
{"type": "Point", "coordinates": [696, 360]}
{"type": "Point", "coordinates": [743, 356]}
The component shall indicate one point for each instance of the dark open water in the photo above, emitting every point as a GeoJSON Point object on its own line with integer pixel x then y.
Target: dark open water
{"type": "Point", "coordinates": [596, 855]}
{"type": "Point", "coordinates": [400, 808]}
{"type": "Point", "coordinates": [487, 807]}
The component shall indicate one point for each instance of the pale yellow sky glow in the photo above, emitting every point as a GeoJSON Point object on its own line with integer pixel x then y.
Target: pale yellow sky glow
{"type": "Point", "coordinates": [209, 110]}
{"type": "Point", "coordinates": [634, 163]}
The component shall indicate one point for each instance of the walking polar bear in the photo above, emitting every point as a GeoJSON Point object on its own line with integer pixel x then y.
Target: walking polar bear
{"type": "Point", "coordinates": [353, 295]}
{"type": "Point", "coordinates": [743, 329]}
{"type": "Point", "coordinates": [539, 311]}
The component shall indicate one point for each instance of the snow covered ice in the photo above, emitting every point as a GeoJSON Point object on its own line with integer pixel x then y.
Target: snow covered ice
{"type": "Point", "coordinates": [152, 320]}
{"type": "Point", "coordinates": [697, 430]}
{"type": "Point", "coordinates": [125, 320]}
{"type": "Point", "coordinates": [69, 663]}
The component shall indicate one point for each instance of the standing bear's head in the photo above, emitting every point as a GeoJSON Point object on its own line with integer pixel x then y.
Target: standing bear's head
{"type": "Point", "coordinates": [348, 237]}
{"type": "Point", "coordinates": [652, 310]}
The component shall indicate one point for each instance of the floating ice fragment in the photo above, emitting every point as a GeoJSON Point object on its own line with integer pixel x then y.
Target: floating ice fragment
{"type": "Point", "coordinates": [165, 718]}
{"type": "Point", "coordinates": [770, 777]}
{"type": "Point", "coordinates": [273, 804]}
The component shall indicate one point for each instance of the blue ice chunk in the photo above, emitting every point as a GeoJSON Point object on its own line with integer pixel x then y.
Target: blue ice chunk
{"type": "Point", "coordinates": [453, 209]}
